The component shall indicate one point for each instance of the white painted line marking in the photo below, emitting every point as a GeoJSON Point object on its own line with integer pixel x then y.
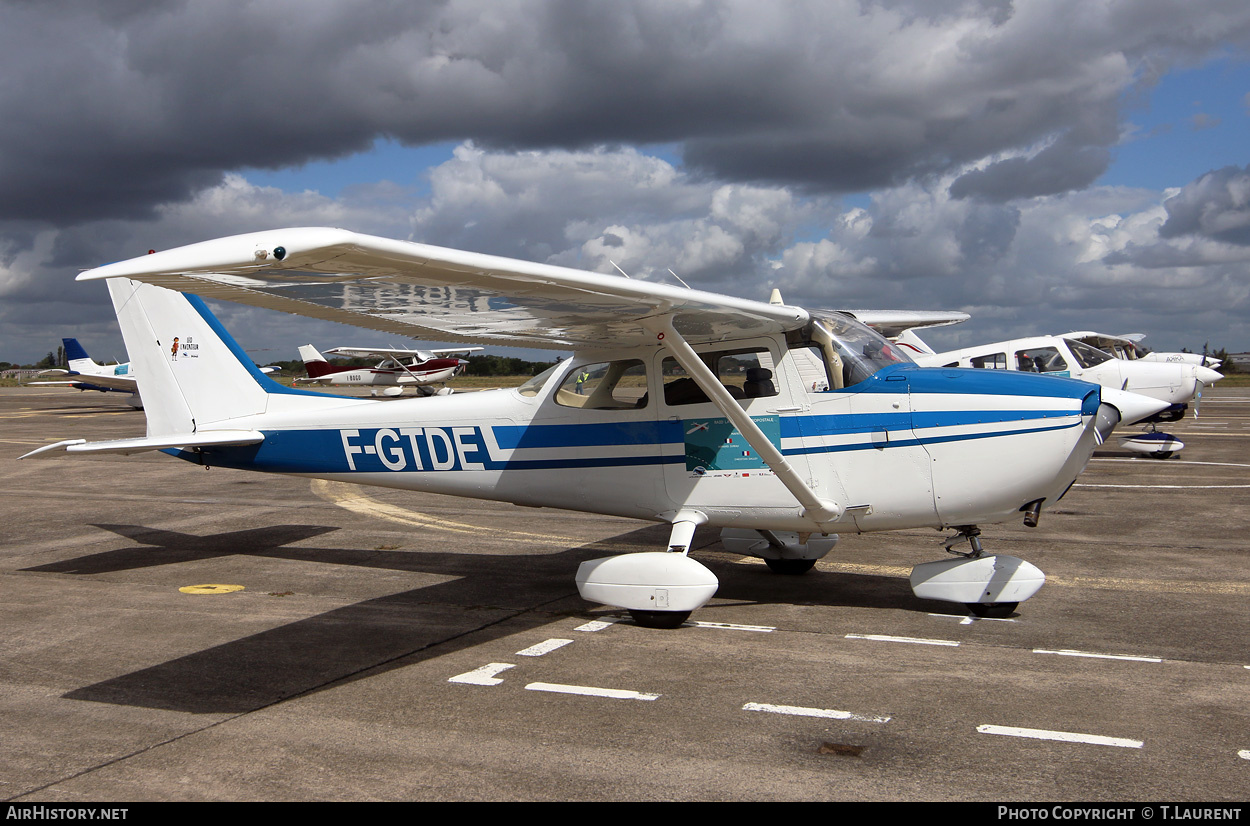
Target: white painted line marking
{"type": "Point", "coordinates": [915, 640]}
{"type": "Point", "coordinates": [482, 676]}
{"type": "Point", "coordinates": [595, 625]}
{"type": "Point", "coordinates": [1062, 736]}
{"type": "Point", "coordinates": [963, 620]}
{"type": "Point", "coordinates": [542, 648]}
{"type": "Point", "coordinates": [1165, 487]}
{"type": "Point", "coordinates": [729, 626]}
{"type": "Point", "coordinates": [1178, 462]}
{"type": "Point", "coordinates": [1069, 653]}
{"type": "Point", "coordinates": [1244, 754]}
{"type": "Point", "coordinates": [829, 713]}
{"type": "Point", "coordinates": [589, 691]}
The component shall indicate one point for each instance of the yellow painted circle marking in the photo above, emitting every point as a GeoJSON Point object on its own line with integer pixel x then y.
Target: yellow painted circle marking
{"type": "Point", "coordinates": [210, 589]}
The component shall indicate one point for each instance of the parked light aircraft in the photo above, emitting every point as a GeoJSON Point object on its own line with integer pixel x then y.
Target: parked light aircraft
{"type": "Point", "coordinates": [422, 368]}
{"type": "Point", "coordinates": [1174, 384]}
{"type": "Point", "coordinates": [1127, 347]}
{"type": "Point", "coordinates": [106, 378]}
{"type": "Point", "coordinates": [678, 406]}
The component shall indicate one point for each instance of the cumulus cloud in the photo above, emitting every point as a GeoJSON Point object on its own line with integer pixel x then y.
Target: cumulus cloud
{"type": "Point", "coordinates": [124, 107]}
{"type": "Point", "coordinates": [1216, 206]}
{"type": "Point", "coordinates": [979, 129]}
{"type": "Point", "coordinates": [1047, 264]}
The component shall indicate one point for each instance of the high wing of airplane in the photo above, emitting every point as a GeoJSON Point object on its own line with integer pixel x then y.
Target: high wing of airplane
{"type": "Point", "coordinates": [1174, 384]}
{"type": "Point", "coordinates": [418, 368]}
{"type": "Point", "coordinates": [1129, 348]}
{"type": "Point", "coordinates": [677, 406]}
{"type": "Point", "coordinates": [85, 374]}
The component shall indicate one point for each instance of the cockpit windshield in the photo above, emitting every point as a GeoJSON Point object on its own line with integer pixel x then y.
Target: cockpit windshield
{"type": "Point", "coordinates": [852, 351]}
{"type": "Point", "coordinates": [1085, 355]}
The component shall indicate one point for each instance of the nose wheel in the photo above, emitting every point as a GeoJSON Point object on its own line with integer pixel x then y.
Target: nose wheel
{"type": "Point", "coordinates": [660, 619]}
{"type": "Point", "coordinates": [991, 610]}
{"type": "Point", "coordinates": [991, 586]}
{"type": "Point", "coordinates": [793, 567]}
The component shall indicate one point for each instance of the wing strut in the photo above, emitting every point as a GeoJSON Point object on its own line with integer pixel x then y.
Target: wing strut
{"type": "Point", "coordinates": [821, 511]}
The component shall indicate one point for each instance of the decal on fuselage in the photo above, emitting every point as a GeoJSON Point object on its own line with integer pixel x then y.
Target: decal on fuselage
{"type": "Point", "coordinates": [715, 444]}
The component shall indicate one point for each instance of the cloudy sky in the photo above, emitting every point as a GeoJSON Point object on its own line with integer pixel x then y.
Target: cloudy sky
{"type": "Point", "coordinates": [1044, 165]}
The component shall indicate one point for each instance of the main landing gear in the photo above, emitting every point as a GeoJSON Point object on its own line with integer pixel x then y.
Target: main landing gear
{"type": "Point", "coordinates": [658, 588]}
{"type": "Point", "coordinates": [989, 585]}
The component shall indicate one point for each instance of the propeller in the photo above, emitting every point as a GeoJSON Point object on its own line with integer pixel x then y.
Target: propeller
{"type": "Point", "coordinates": [1198, 395]}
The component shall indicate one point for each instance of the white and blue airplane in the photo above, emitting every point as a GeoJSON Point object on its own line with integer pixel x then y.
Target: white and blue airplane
{"type": "Point", "coordinates": [677, 406]}
{"type": "Point", "coordinates": [85, 374]}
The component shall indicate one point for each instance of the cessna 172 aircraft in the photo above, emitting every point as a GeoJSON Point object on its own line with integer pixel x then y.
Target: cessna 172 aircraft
{"type": "Point", "coordinates": [1174, 384]}
{"type": "Point", "coordinates": [677, 406]}
{"type": "Point", "coordinates": [106, 378]}
{"type": "Point", "coordinates": [424, 367]}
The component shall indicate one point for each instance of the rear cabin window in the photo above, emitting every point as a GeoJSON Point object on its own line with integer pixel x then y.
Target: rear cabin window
{"type": "Point", "coordinates": [994, 361]}
{"type": "Point", "coordinates": [612, 385]}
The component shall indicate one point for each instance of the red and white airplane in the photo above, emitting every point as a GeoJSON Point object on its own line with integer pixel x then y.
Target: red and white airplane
{"type": "Point", "coordinates": [398, 368]}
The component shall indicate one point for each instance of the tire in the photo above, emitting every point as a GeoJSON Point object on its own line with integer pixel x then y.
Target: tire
{"type": "Point", "coordinates": [992, 610]}
{"type": "Point", "coordinates": [660, 619]}
{"type": "Point", "coordinates": [792, 567]}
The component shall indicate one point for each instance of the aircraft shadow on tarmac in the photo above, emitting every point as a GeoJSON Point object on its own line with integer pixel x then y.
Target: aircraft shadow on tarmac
{"type": "Point", "coordinates": [388, 632]}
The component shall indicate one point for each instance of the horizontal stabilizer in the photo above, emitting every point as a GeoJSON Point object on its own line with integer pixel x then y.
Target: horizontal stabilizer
{"type": "Point", "coordinates": [215, 438]}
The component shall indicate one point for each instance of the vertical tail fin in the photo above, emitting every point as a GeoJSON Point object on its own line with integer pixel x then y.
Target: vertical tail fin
{"type": "Point", "coordinates": [912, 343]}
{"type": "Point", "coordinates": [314, 362]}
{"type": "Point", "coordinates": [77, 358]}
{"type": "Point", "coordinates": [190, 371]}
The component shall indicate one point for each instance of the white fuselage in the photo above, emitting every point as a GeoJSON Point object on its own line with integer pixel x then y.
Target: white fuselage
{"type": "Point", "coordinates": [906, 448]}
{"type": "Point", "coordinates": [1175, 384]}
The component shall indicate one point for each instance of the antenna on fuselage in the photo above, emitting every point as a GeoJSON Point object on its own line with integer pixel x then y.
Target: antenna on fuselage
{"type": "Point", "coordinates": [775, 297]}
{"type": "Point", "coordinates": [618, 269]}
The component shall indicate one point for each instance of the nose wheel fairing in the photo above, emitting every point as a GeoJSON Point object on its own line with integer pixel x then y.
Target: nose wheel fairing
{"type": "Point", "coordinates": [984, 581]}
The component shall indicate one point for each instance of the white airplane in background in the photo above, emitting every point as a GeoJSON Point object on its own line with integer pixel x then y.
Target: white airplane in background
{"type": "Point", "coordinates": [678, 406]}
{"type": "Point", "coordinates": [1127, 347]}
{"type": "Point", "coordinates": [421, 368]}
{"type": "Point", "coordinates": [88, 375]}
{"type": "Point", "coordinates": [1174, 384]}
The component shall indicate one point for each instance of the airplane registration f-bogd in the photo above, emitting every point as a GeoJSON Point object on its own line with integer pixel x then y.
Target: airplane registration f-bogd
{"type": "Point", "coordinates": [778, 425]}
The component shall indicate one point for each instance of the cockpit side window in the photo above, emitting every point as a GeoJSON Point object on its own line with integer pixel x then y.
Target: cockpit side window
{"type": "Point", "coordinates": [746, 373]}
{"type": "Point", "coordinates": [1040, 360]}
